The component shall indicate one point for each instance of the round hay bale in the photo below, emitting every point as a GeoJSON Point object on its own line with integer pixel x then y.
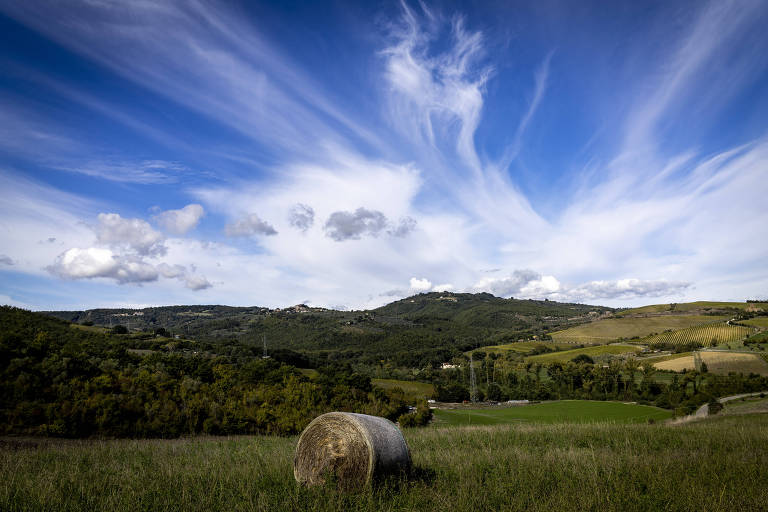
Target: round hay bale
{"type": "Point", "coordinates": [353, 449]}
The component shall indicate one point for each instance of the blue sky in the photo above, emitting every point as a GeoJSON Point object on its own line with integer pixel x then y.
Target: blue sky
{"type": "Point", "coordinates": [348, 154]}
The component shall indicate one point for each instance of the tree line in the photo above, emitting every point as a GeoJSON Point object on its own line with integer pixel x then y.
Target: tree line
{"type": "Point", "coordinates": [502, 378]}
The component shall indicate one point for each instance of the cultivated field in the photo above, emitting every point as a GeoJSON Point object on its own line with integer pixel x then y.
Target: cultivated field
{"type": "Point", "coordinates": [706, 335]}
{"type": "Point", "coordinates": [716, 464]}
{"type": "Point", "coordinates": [567, 355]}
{"type": "Point", "coordinates": [411, 388]}
{"type": "Point", "coordinates": [718, 362]}
{"type": "Point", "coordinates": [610, 329]}
{"type": "Point", "coordinates": [563, 411]}
{"type": "Point", "coordinates": [522, 347]}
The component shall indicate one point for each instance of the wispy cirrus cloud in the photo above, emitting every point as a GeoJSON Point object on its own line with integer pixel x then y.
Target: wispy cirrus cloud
{"type": "Point", "coordinates": [436, 98]}
{"type": "Point", "coordinates": [423, 187]}
{"type": "Point", "coordinates": [712, 38]}
{"type": "Point", "coordinates": [146, 172]}
{"type": "Point", "coordinates": [230, 73]}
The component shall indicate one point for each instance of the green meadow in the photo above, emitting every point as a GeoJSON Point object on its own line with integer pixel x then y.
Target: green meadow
{"type": "Point", "coordinates": [522, 347]}
{"type": "Point", "coordinates": [568, 355]}
{"type": "Point", "coordinates": [410, 388]}
{"type": "Point", "coordinates": [563, 411]}
{"type": "Point", "coordinates": [716, 465]}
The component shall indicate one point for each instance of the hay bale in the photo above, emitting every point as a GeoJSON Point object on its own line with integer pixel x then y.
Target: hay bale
{"type": "Point", "coordinates": [354, 449]}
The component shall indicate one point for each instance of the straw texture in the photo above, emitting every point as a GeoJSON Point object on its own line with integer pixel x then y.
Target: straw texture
{"type": "Point", "coordinates": [351, 449]}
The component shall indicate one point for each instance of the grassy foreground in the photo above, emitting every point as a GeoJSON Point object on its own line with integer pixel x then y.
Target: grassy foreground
{"type": "Point", "coordinates": [718, 464]}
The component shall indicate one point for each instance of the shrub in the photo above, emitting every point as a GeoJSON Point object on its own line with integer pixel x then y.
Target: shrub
{"type": "Point", "coordinates": [583, 358]}
{"type": "Point", "coordinates": [420, 418]}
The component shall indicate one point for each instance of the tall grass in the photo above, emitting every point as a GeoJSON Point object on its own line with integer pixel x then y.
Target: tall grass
{"type": "Point", "coordinates": [712, 465]}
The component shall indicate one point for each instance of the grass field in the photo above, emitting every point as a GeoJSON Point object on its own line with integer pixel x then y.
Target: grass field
{"type": "Point", "coordinates": [706, 335]}
{"type": "Point", "coordinates": [567, 355]}
{"type": "Point", "coordinates": [718, 362]}
{"type": "Point", "coordinates": [610, 329]}
{"type": "Point", "coordinates": [713, 465]}
{"type": "Point", "coordinates": [522, 347]}
{"type": "Point", "coordinates": [563, 411]}
{"type": "Point", "coordinates": [746, 406]}
{"type": "Point", "coordinates": [411, 388]}
{"type": "Point", "coordinates": [761, 322]}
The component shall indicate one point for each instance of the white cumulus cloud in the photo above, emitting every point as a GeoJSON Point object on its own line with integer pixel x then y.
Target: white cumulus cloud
{"type": "Point", "coordinates": [95, 262]}
{"type": "Point", "coordinates": [420, 285]}
{"type": "Point", "coordinates": [133, 235]}
{"type": "Point", "coordinates": [179, 222]}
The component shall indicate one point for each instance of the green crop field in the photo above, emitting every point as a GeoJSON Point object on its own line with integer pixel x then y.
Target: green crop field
{"type": "Point", "coordinates": [523, 347]}
{"type": "Point", "coordinates": [611, 329]}
{"type": "Point", "coordinates": [411, 388]}
{"type": "Point", "coordinates": [567, 355]}
{"type": "Point", "coordinates": [706, 335]}
{"type": "Point", "coordinates": [563, 411]}
{"type": "Point", "coordinates": [714, 464]}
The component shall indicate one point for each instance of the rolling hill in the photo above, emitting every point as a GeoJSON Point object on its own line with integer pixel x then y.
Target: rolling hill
{"type": "Point", "coordinates": [417, 331]}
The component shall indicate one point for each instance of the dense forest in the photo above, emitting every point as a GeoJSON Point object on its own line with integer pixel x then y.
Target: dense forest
{"type": "Point", "coordinates": [60, 380]}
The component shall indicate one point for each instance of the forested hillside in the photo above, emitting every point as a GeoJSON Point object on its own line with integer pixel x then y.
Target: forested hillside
{"type": "Point", "coordinates": [419, 331]}
{"type": "Point", "coordinates": [56, 379]}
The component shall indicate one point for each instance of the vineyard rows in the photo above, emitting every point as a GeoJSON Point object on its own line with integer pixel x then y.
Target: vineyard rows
{"type": "Point", "coordinates": [704, 335]}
